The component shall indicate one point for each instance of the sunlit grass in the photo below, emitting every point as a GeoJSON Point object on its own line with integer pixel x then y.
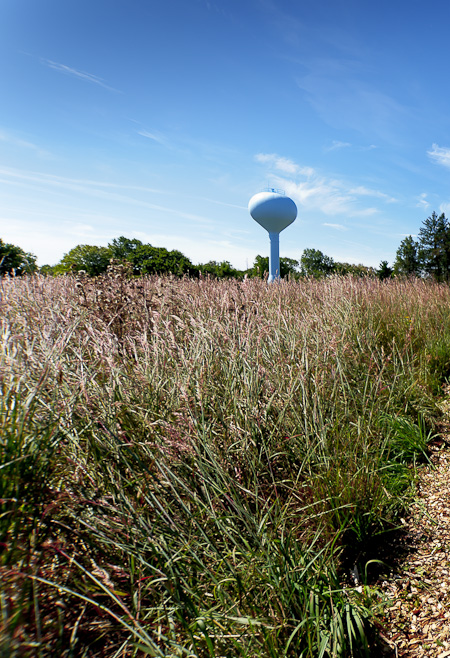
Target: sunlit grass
{"type": "Point", "coordinates": [188, 465]}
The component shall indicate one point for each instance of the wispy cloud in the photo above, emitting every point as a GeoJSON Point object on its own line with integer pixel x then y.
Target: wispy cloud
{"type": "Point", "coordinates": [83, 75]}
{"type": "Point", "coordinates": [440, 155]}
{"type": "Point", "coordinates": [156, 137]}
{"type": "Point", "coordinates": [365, 191]}
{"type": "Point", "coordinates": [337, 145]}
{"type": "Point", "coordinates": [108, 191]}
{"type": "Point", "coordinates": [320, 193]}
{"type": "Point", "coordinates": [22, 143]}
{"type": "Point", "coordinates": [365, 212]}
{"type": "Point", "coordinates": [316, 191]}
{"type": "Point", "coordinates": [283, 164]}
{"type": "Point", "coordinates": [343, 99]}
{"type": "Point", "coordinates": [218, 202]}
{"type": "Point", "coordinates": [185, 145]}
{"type": "Point", "coordinates": [12, 175]}
{"type": "Point", "coordinates": [338, 227]}
{"type": "Point", "coordinates": [422, 201]}
{"type": "Point", "coordinates": [49, 214]}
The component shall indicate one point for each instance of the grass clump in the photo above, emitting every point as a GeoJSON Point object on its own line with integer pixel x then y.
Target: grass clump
{"type": "Point", "coordinates": [193, 465]}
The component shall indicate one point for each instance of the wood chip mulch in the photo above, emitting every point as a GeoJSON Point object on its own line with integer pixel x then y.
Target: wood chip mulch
{"type": "Point", "coordinates": [417, 623]}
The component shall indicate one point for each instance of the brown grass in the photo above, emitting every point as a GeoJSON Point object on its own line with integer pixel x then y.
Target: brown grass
{"type": "Point", "coordinates": [197, 435]}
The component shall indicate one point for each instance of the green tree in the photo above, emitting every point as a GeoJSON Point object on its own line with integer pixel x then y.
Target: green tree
{"type": "Point", "coordinates": [123, 248]}
{"type": "Point", "coordinates": [315, 263]}
{"type": "Point", "coordinates": [158, 260]}
{"type": "Point", "coordinates": [15, 261]}
{"type": "Point", "coordinates": [222, 270]}
{"type": "Point", "coordinates": [93, 260]}
{"type": "Point", "coordinates": [407, 261]}
{"type": "Point", "coordinates": [384, 271]}
{"type": "Point", "coordinates": [47, 270]}
{"type": "Point", "coordinates": [289, 266]}
{"type": "Point", "coordinates": [354, 270]}
{"type": "Point", "coordinates": [261, 267]}
{"type": "Point", "coordinates": [434, 247]}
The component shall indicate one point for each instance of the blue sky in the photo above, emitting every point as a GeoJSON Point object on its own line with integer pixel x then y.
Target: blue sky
{"type": "Point", "coordinates": [160, 119]}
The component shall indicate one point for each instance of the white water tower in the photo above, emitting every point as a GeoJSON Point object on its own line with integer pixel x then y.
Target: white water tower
{"type": "Point", "coordinates": [274, 211]}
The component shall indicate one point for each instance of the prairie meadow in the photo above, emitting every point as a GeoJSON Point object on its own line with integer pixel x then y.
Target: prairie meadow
{"type": "Point", "coordinates": [205, 468]}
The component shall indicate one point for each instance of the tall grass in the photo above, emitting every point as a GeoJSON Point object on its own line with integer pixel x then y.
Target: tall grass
{"type": "Point", "coordinates": [188, 467]}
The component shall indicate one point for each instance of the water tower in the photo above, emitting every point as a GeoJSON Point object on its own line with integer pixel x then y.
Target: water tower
{"type": "Point", "coordinates": [274, 211]}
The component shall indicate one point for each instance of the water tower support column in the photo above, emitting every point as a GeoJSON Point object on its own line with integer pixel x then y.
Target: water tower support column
{"type": "Point", "coordinates": [274, 257]}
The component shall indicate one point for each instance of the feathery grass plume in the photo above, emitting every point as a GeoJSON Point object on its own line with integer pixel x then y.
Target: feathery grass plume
{"type": "Point", "coordinates": [192, 464]}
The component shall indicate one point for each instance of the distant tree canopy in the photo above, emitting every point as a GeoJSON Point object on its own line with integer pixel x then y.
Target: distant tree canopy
{"type": "Point", "coordinates": [144, 258]}
{"type": "Point", "coordinates": [15, 261]}
{"type": "Point", "coordinates": [384, 271]}
{"type": "Point", "coordinates": [222, 270]}
{"type": "Point", "coordinates": [315, 263]}
{"type": "Point", "coordinates": [123, 248]}
{"type": "Point", "coordinates": [407, 261]}
{"type": "Point", "coordinates": [89, 258]}
{"type": "Point", "coordinates": [429, 256]}
{"type": "Point", "coordinates": [434, 247]}
{"type": "Point", "coordinates": [355, 270]}
{"type": "Point", "coordinates": [261, 267]}
{"type": "Point", "coordinates": [158, 260]}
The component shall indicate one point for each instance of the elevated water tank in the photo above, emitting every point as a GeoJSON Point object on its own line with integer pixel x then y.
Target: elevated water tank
{"type": "Point", "coordinates": [274, 211]}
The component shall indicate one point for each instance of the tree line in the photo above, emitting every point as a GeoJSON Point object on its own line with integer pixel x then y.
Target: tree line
{"type": "Point", "coordinates": [427, 257]}
{"type": "Point", "coordinates": [144, 259]}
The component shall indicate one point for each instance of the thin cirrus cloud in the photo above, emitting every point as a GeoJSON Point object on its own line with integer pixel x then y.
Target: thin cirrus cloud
{"type": "Point", "coordinates": [17, 177]}
{"type": "Point", "coordinates": [440, 155]}
{"type": "Point", "coordinates": [22, 143]}
{"type": "Point", "coordinates": [108, 191]}
{"type": "Point", "coordinates": [186, 145]}
{"type": "Point", "coordinates": [157, 137]}
{"type": "Point", "coordinates": [365, 191]}
{"type": "Point", "coordinates": [344, 98]}
{"type": "Point", "coordinates": [83, 75]}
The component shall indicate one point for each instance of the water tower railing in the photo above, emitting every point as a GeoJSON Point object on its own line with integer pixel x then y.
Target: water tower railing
{"type": "Point", "coordinates": [275, 190]}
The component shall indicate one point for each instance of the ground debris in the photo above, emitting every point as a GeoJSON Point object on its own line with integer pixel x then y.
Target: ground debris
{"type": "Point", "coordinates": [417, 621]}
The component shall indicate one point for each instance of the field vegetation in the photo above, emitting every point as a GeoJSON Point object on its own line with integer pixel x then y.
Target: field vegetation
{"type": "Point", "coordinates": [205, 468]}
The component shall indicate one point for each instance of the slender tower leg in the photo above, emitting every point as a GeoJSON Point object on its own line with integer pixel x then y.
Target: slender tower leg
{"type": "Point", "coordinates": [274, 258]}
